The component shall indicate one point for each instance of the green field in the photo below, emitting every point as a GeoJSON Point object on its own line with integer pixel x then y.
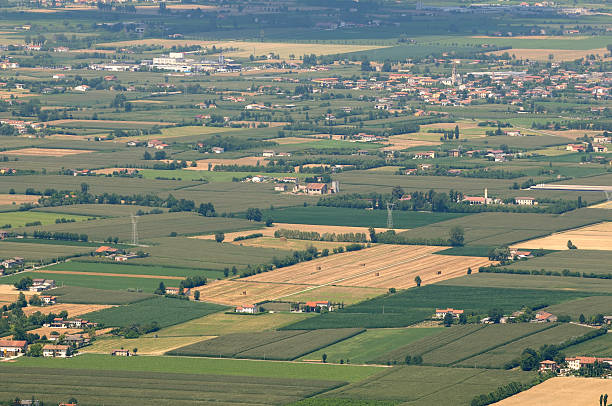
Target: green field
{"type": "Point", "coordinates": [186, 365]}
{"type": "Point", "coordinates": [71, 294]}
{"type": "Point", "coordinates": [166, 312]}
{"type": "Point", "coordinates": [424, 386]}
{"type": "Point", "coordinates": [33, 252]}
{"type": "Point", "coordinates": [598, 347]}
{"type": "Point", "coordinates": [588, 306]}
{"type": "Point", "coordinates": [369, 345]}
{"type": "Point", "coordinates": [20, 218]}
{"type": "Point", "coordinates": [413, 305]}
{"type": "Point", "coordinates": [131, 269]}
{"type": "Point", "coordinates": [105, 282]}
{"type": "Point", "coordinates": [575, 260]}
{"type": "Point", "coordinates": [355, 217]}
{"type": "Point", "coordinates": [492, 280]}
{"type": "Point", "coordinates": [499, 356]}
{"type": "Point", "coordinates": [95, 387]}
{"type": "Point", "coordinates": [270, 345]}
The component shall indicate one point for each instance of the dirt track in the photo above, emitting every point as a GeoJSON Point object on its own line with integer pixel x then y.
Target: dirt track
{"type": "Point", "coordinates": [124, 275]}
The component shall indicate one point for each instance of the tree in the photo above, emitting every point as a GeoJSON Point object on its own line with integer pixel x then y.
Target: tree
{"type": "Point", "coordinates": [397, 192]}
{"type": "Point", "coordinates": [462, 319]}
{"type": "Point", "coordinates": [570, 245]}
{"type": "Point", "coordinates": [84, 187]}
{"type": "Point", "coordinates": [365, 65]}
{"type": "Point", "coordinates": [269, 222]}
{"type": "Point", "coordinates": [386, 66]}
{"type": "Point", "coordinates": [448, 320]}
{"type": "Point", "coordinates": [219, 237]}
{"type": "Point", "coordinates": [582, 319]}
{"type": "Point", "coordinates": [147, 156]}
{"type": "Point", "coordinates": [253, 214]}
{"type": "Point", "coordinates": [417, 280]}
{"type": "Point", "coordinates": [457, 236]}
{"type": "Point", "coordinates": [456, 132]}
{"type": "Point", "coordinates": [417, 360]}
{"type": "Point", "coordinates": [24, 283]}
{"type": "Point", "coordinates": [495, 315]}
{"type": "Point", "coordinates": [35, 350]}
{"type": "Point", "coordinates": [161, 290]}
{"type": "Point", "coordinates": [469, 271]}
{"type": "Point", "coordinates": [35, 301]}
{"type": "Point", "coordinates": [324, 358]}
{"type": "Point", "coordinates": [372, 233]}
{"type": "Point", "coordinates": [408, 360]}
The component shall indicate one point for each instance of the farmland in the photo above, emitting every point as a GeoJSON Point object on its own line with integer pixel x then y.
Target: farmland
{"type": "Point", "coordinates": [421, 385]}
{"type": "Point", "coordinates": [166, 312]}
{"type": "Point", "coordinates": [272, 345]}
{"type": "Point", "coordinates": [318, 187]}
{"type": "Point", "coordinates": [369, 345]}
{"type": "Point", "coordinates": [582, 392]}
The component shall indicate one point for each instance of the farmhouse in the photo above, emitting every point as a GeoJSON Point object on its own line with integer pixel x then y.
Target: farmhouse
{"type": "Point", "coordinates": [105, 250]}
{"type": "Point", "coordinates": [600, 148]}
{"type": "Point", "coordinates": [39, 285]}
{"type": "Point", "coordinates": [157, 144]}
{"type": "Point", "coordinates": [316, 306]}
{"type": "Point", "coordinates": [250, 309]}
{"type": "Point", "coordinates": [575, 363]}
{"type": "Point", "coordinates": [441, 313]}
{"type": "Point", "coordinates": [575, 147]}
{"type": "Point", "coordinates": [121, 353]}
{"type": "Point", "coordinates": [12, 263]}
{"type": "Point", "coordinates": [602, 140]}
{"type": "Point", "coordinates": [12, 348]}
{"type": "Point", "coordinates": [525, 201]}
{"type": "Point", "coordinates": [425, 155]}
{"type": "Point", "coordinates": [316, 188]}
{"type": "Point", "coordinates": [173, 290]}
{"type": "Point", "coordinates": [76, 340]}
{"type": "Point", "coordinates": [48, 300]}
{"type": "Point", "coordinates": [548, 366]}
{"type": "Point", "coordinates": [55, 351]}
{"type": "Point", "coordinates": [58, 322]}
{"type": "Point", "coordinates": [544, 317]}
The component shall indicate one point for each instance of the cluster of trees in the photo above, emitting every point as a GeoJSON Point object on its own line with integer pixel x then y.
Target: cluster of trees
{"type": "Point", "coordinates": [254, 214]}
{"type": "Point", "coordinates": [565, 272]}
{"type": "Point", "coordinates": [58, 235]}
{"type": "Point", "coordinates": [248, 237]}
{"type": "Point", "coordinates": [192, 282]}
{"type": "Point", "coordinates": [136, 330]}
{"type": "Point", "coordinates": [314, 236]}
{"type": "Point", "coordinates": [500, 393]}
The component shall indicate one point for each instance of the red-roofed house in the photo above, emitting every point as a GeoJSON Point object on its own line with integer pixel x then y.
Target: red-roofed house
{"type": "Point", "coordinates": [441, 313]}
{"type": "Point", "coordinates": [105, 250]}
{"type": "Point", "coordinates": [316, 188]}
{"type": "Point", "coordinates": [55, 351]}
{"type": "Point", "coordinates": [576, 363]}
{"type": "Point", "coordinates": [548, 366]}
{"type": "Point", "coordinates": [544, 317]}
{"type": "Point", "coordinates": [12, 348]}
{"type": "Point", "coordinates": [250, 309]}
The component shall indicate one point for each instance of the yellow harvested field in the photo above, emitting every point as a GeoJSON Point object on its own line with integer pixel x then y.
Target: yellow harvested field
{"type": "Point", "coordinates": [46, 331]}
{"type": "Point", "coordinates": [17, 199]}
{"type": "Point", "coordinates": [404, 141]}
{"type": "Point", "coordinates": [293, 140]}
{"type": "Point", "coordinates": [145, 345]}
{"type": "Point", "coordinates": [285, 244]}
{"type": "Point", "coordinates": [581, 391]}
{"type": "Point", "coordinates": [8, 293]}
{"type": "Point", "coordinates": [595, 237]}
{"type": "Point", "coordinates": [221, 323]}
{"type": "Point", "coordinates": [604, 205]}
{"type": "Point", "coordinates": [559, 54]}
{"type": "Point", "coordinates": [73, 309]}
{"type": "Point", "coordinates": [381, 266]}
{"type": "Point", "coordinates": [210, 163]}
{"type": "Point", "coordinates": [108, 171]}
{"type": "Point", "coordinates": [245, 49]}
{"type": "Point", "coordinates": [339, 294]}
{"type": "Point", "coordinates": [269, 231]}
{"type": "Point", "coordinates": [54, 152]}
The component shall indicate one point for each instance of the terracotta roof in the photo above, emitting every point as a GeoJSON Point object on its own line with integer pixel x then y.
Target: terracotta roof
{"type": "Point", "coordinates": [316, 186]}
{"type": "Point", "coordinates": [13, 343]}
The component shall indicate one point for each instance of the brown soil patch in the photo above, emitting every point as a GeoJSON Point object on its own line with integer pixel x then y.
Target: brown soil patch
{"type": "Point", "coordinates": [18, 199]}
{"type": "Point", "coordinates": [269, 231]}
{"type": "Point", "coordinates": [210, 163]}
{"type": "Point", "coordinates": [113, 274]}
{"type": "Point", "coordinates": [53, 152]}
{"type": "Point", "coordinates": [559, 54]}
{"type": "Point", "coordinates": [46, 331]}
{"type": "Point", "coordinates": [382, 266]}
{"type": "Point", "coordinates": [595, 237]}
{"type": "Point", "coordinates": [73, 309]}
{"type": "Point", "coordinates": [581, 391]}
{"type": "Point", "coordinates": [399, 142]}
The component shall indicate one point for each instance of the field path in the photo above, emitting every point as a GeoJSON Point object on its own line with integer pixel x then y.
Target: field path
{"type": "Point", "coordinates": [141, 276]}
